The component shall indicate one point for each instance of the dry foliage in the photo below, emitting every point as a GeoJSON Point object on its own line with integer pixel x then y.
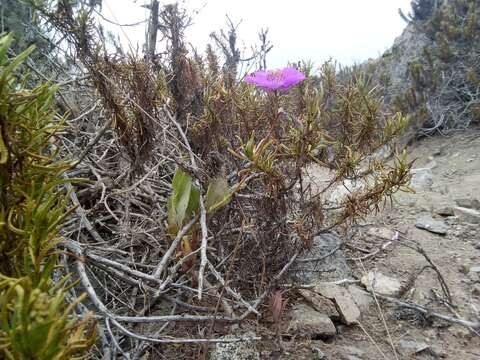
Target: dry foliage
{"type": "Point", "coordinates": [196, 208]}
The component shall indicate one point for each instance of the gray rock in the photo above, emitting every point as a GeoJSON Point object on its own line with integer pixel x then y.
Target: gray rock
{"type": "Point", "coordinates": [470, 203]}
{"type": "Point", "coordinates": [468, 215]}
{"type": "Point", "coordinates": [406, 47]}
{"type": "Point", "coordinates": [346, 188]}
{"type": "Point", "coordinates": [426, 222]}
{"type": "Point", "coordinates": [238, 351]}
{"type": "Point", "coordinates": [444, 210]}
{"type": "Point", "coordinates": [331, 268]}
{"type": "Point", "coordinates": [475, 269]}
{"type": "Point", "coordinates": [432, 164]}
{"type": "Point", "coordinates": [306, 321]}
{"type": "Point", "coordinates": [382, 284]}
{"type": "Point", "coordinates": [413, 347]}
{"type": "Point", "coordinates": [352, 350]}
{"type": "Point", "coordinates": [318, 354]}
{"type": "Point", "coordinates": [422, 178]}
{"type": "Point", "coordinates": [362, 298]}
{"type": "Point", "coordinates": [352, 353]}
{"type": "Point", "coordinates": [382, 233]}
{"type": "Point", "coordinates": [319, 302]}
{"type": "Point", "coordinates": [346, 307]}
{"type": "Point", "coordinates": [437, 351]}
{"type": "Point", "coordinates": [383, 153]}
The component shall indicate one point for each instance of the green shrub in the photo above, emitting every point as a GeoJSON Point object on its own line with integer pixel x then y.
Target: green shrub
{"type": "Point", "coordinates": [35, 320]}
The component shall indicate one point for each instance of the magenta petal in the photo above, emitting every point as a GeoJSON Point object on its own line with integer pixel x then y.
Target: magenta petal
{"type": "Point", "coordinates": [275, 79]}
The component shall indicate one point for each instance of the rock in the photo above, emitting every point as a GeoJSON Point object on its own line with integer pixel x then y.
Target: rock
{"type": "Point", "coordinates": [240, 350]}
{"type": "Point", "coordinates": [382, 233]}
{"type": "Point", "coordinates": [422, 178]}
{"type": "Point", "coordinates": [362, 298]}
{"type": "Point", "coordinates": [308, 322]}
{"type": "Point", "coordinates": [318, 354]}
{"type": "Point", "coordinates": [331, 268]}
{"type": "Point", "coordinates": [353, 352]}
{"type": "Point", "coordinates": [346, 188]}
{"type": "Point", "coordinates": [444, 210]}
{"type": "Point", "coordinates": [468, 215]}
{"type": "Point", "coordinates": [432, 164]}
{"type": "Point", "coordinates": [474, 269]}
{"type": "Point", "coordinates": [464, 269]}
{"type": "Point", "coordinates": [413, 347]}
{"type": "Point", "coordinates": [382, 284]}
{"type": "Point", "coordinates": [383, 153]}
{"type": "Point", "coordinates": [346, 307]}
{"type": "Point", "coordinates": [406, 47]}
{"type": "Point", "coordinates": [426, 222]}
{"type": "Point", "coordinates": [319, 303]}
{"type": "Point", "coordinates": [437, 351]}
{"type": "Point", "coordinates": [470, 203]}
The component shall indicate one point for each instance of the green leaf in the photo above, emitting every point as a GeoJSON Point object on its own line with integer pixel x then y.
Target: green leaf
{"type": "Point", "coordinates": [183, 202]}
{"type": "Point", "coordinates": [194, 201]}
{"type": "Point", "coordinates": [218, 194]}
{"type": "Point", "coordinates": [3, 149]}
{"type": "Point", "coordinates": [5, 42]}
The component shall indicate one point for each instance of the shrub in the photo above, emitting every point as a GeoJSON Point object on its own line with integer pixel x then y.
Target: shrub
{"type": "Point", "coordinates": [36, 322]}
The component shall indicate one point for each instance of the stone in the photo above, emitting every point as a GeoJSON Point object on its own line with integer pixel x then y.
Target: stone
{"type": "Point", "coordinates": [319, 303]}
{"type": "Point", "coordinates": [245, 350]}
{"type": "Point", "coordinates": [468, 215]}
{"type": "Point", "coordinates": [444, 210]}
{"type": "Point", "coordinates": [432, 164]}
{"type": "Point", "coordinates": [470, 203]}
{"type": "Point", "coordinates": [437, 351]}
{"type": "Point", "coordinates": [346, 307]}
{"type": "Point", "coordinates": [382, 233]}
{"type": "Point", "coordinates": [413, 347]}
{"type": "Point", "coordinates": [344, 189]}
{"type": "Point", "coordinates": [426, 222]}
{"type": "Point", "coordinates": [382, 284]}
{"type": "Point", "coordinates": [330, 268]}
{"type": "Point", "coordinates": [306, 321]}
{"type": "Point", "coordinates": [353, 351]}
{"type": "Point", "coordinates": [474, 269]}
{"type": "Point", "coordinates": [362, 298]}
{"type": "Point", "coordinates": [383, 153]}
{"type": "Point", "coordinates": [318, 354]}
{"type": "Point", "coordinates": [422, 178]}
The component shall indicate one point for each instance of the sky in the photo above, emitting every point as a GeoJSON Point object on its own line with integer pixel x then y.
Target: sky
{"type": "Point", "coordinates": [348, 31]}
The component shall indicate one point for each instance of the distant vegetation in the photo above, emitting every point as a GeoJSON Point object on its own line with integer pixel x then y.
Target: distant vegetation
{"type": "Point", "coordinates": [444, 87]}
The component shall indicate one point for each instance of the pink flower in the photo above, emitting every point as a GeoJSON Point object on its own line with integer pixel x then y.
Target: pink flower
{"type": "Point", "coordinates": [271, 80]}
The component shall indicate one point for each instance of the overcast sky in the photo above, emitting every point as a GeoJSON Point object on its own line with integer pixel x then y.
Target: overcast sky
{"type": "Point", "coordinates": [346, 30]}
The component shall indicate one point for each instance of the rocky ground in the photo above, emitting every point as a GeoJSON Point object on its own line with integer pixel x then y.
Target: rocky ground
{"type": "Point", "coordinates": [405, 252]}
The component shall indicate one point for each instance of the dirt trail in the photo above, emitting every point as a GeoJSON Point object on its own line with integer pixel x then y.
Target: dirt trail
{"type": "Point", "coordinates": [455, 165]}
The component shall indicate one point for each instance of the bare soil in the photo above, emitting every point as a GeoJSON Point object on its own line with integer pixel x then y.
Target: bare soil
{"type": "Point", "coordinates": [384, 326]}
